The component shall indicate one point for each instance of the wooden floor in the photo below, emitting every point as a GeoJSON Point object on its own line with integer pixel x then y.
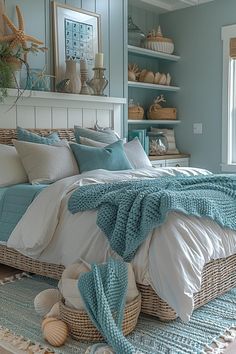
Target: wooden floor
{"type": "Point", "coordinates": [7, 271]}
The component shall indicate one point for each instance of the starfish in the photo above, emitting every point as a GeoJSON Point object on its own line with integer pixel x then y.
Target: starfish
{"type": "Point", "coordinates": [18, 37]}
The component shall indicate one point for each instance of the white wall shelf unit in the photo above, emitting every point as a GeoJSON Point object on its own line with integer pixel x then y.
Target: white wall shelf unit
{"type": "Point", "coordinates": [152, 53]}
{"type": "Point", "coordinates": [154, 122]}
{"type": "Point", "coordinates": [153, 86]}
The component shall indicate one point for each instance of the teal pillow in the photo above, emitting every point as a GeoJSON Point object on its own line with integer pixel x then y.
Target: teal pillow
{"type": "Point", "coordinates": [106, 137]}
{"type": "Point", "coordinates": [26, 135]}
{"type": "Point", "coordinates": [111, 157]}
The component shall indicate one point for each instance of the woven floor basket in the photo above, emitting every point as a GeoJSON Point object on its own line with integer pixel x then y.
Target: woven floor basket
{"type": "Point", "coordinates": [81, 327]}
{"type": "Point", "coordinates": [218, 276]}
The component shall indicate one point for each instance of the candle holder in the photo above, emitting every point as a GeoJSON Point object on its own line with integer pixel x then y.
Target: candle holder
{"type": "Point", "coordinates": [98, 82]}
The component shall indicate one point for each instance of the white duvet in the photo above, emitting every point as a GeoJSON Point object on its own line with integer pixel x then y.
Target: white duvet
{"type": "Point", "coordinates": [170, 260]}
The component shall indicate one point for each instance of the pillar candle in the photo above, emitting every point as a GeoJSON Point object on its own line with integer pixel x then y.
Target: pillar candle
{"type": "Point", "coordinates": [99, 60]}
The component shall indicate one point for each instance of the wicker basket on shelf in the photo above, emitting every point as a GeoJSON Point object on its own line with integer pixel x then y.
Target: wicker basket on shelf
{"type": "Point", "coordinates": [162, 113]}
{"type": "Point", "coordinates": [157, 112]}
{"type": "Point", "coordinates": [81, 327]}
{"type": "Point", "coordinates": [155, 41]}
{"type": "Point", "coordinates": [135, 112]}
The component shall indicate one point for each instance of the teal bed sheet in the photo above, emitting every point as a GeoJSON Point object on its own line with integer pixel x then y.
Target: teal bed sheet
{"type": "Point", "coordinates": [14, 201]}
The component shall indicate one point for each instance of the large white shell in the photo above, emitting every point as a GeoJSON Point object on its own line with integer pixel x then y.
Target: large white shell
{"type": "Point", "coordinates": [45, 300]}
{"type": "Point", "coordinates": [55, 311]}
{"type": "Point", "coordinates": [54, 331]}
{"type": "Point", "coordinates": [99, 348]}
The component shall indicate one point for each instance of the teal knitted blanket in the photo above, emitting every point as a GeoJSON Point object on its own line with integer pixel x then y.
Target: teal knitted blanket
{"type": "Point", "coordinates": [103, 291]}
{"type": "Point", "coordinates": [128, 211]}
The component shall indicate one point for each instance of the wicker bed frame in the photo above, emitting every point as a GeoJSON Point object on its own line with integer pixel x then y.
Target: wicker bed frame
{"type": "Point", "coordinates": [218, 276]}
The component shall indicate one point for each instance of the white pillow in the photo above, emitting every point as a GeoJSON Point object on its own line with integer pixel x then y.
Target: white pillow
{"type": "Point", "coordinates": [11, 168]}
{"type": "Point", "coordinates": [133, 149]}
{"type": "Point", "coordinates": [46, 163]}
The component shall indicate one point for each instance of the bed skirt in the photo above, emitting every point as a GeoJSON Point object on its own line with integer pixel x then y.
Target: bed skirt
{"type": "Point", "coordinates": [218, 276]}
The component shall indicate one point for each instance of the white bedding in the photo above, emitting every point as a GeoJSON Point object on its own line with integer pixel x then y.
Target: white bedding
{"type": "Point", "coordinates": [170, 260]}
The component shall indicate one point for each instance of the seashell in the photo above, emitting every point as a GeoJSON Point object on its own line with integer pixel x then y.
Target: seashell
{"type": "Point", "coordinates": [168, 79]}
{"type": "Point", "coordinates": [142, 75]}
{"type": "Point", "coordinates": [55, 331]}
{"type": "Point", "coordinates": [149, 77]}
{"type": "Point", "coordinates": [55, 311]}
{"type": "Point", "coordinates": [99, 348]}
{"type": "Point", "coordinates": [157, 78]}
{"type": "Point", "coordinates": [45, 300]}
{"type": "Point", "coordinates": [131, 76]}
{"type": "Point", "coordinates": [162, 80]}
{"type": "Point", "coordinates": [133, 72]}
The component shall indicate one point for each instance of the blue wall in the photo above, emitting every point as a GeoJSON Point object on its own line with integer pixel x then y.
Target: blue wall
{"type": "Point", "coordinates": [197, 35]}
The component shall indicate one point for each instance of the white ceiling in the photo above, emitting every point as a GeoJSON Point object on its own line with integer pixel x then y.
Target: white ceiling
{"type": "Point", "coordinates": [171, 5]}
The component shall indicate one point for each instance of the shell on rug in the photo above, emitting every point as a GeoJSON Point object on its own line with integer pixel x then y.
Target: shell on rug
{"type": "Point", "coordinates": [55, 331]}
{"type": "Point", "coordinates": [100, 348]}
{"type": "Point", "coordinates": [45, 300]}
{"type": "Point", "coordinates": [55, 311]}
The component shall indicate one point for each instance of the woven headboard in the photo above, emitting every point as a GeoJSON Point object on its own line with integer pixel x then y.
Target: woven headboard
{"type": "Point", "coordinates": [6, 135]}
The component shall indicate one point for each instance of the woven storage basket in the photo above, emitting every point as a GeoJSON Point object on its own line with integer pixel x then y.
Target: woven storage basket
{"type": "Point", "coordinates": [162, 113]}
{"type": "Point", "coordinates": [81, 327]}
{"type": "Point", "coordinates": [136, 112]}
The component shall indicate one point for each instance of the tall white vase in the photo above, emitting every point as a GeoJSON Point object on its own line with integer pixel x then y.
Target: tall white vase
{"type": "Point", "coordinates": [74, 85]}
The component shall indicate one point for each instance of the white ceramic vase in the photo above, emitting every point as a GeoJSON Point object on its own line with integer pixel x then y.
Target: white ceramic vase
{"type": "Point", "coordinates": [74, 85]}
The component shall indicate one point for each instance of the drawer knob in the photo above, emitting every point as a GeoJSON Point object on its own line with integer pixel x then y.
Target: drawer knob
{"type": "Point", "coordinates": [177, 165]}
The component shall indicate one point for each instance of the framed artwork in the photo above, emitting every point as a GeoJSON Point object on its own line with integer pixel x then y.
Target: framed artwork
{"type": "Point", "coordinates": [76, 35]}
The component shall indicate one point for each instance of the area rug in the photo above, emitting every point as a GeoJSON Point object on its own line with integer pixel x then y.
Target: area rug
{"type": "Point", "coordinates": [20, 325]}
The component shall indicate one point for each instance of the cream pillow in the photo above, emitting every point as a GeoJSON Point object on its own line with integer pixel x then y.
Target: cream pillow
{"type": "Point", "coordinates": [11, 168]}
{"type": "Point", "coordinates": [133, 149]}
{"type": "Point", "coordinates": [46, 163]}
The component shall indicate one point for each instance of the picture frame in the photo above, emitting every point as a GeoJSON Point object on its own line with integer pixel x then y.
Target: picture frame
{"type": "Point", "coordinates": [76, 35]}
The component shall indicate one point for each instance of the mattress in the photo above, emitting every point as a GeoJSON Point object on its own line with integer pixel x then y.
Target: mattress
{"type": "Point", "coordinates": [14, 201]}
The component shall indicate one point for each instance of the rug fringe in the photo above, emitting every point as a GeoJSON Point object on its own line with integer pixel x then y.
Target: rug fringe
{"type": "Point", "coordinates": [217, 346]}
{"type": "Point", "coordinates": [14, 277]}
{"type": "Point", "coordinates": [21, 343]}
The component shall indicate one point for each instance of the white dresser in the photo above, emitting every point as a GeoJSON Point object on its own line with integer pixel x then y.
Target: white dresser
{"type": "Point", "coordinates": [181, 160]}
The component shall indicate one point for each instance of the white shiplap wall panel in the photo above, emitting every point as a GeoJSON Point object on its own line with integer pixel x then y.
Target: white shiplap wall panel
{"type": "Point", "coordinates": [103, 118]}
{"type": "Point", "coordinates": [59, 117]}
{"type": "Point", "coordinates": [35, 111]}
{"type": "Point", "coordinates": [43, 117]}
{"type": "Point", "coordinates": [7, 116]}
{"type": "Point", "coordinates": [25, 116]}
{"type": "Point", "coordinates": [90, 117]}
{"type": "Point", "coordinates": [75, 117]}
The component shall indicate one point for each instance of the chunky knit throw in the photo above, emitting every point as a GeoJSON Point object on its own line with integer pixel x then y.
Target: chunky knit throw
{"type": "Point", "coordinates": [103, 291]}
{"type": "Point", "coordinates": [128, 211]}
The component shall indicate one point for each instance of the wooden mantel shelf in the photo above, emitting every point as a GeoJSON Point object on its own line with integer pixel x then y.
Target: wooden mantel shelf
{"type": "Point", "coordinates": [67, 96]}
